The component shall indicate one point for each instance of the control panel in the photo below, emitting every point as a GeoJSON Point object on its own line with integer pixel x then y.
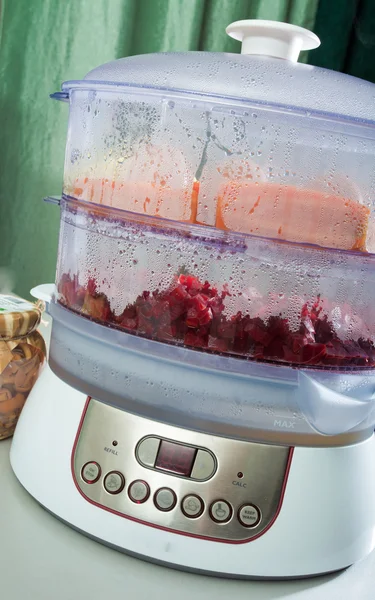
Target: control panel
{"type": "Point", "coordinates": [189, 482]}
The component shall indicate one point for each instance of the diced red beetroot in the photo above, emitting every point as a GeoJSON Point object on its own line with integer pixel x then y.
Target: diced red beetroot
{"type": "Point", "coordinates": [194, 319]}
{"type": "Point", "coordinates": [297, 342]}
{"type": "Point", "coordinates": [129, 323]}
{"type": "Point", "coordinates": [336, 353]}
{"type": "Point", "coordinates": [145, 309]}
{"type": "Point", "coordinates": [291, 355]}
{"type": "Point", "coordinates": [128, 318]}
{"type": "Point", "coordinates": [198, 313]}
{"type": "Point", "coordinates": [368, 347]}
{"type": "Point", "coordinates": [209, 291]}
{"type": "Point", "coordinates": [257, 330]}
{"type": "Point", "coordinates": [196, 340]}
{"type": "Point", "coordinates": [160, 308]}
{"type": "Point", "coordinates": [226, 330]}
{"type": "Point", "coordinates": [199, 303]}
{"type": "Point", "coordinates": [129, 312]}
{"type": "Point", "coordinates": [192, 322]}
{"type": "Point", "coordinates": [307, 325]}
{"type": "Point", "coordinates": [97, 308]}
{"type": "Point", "coordinates": [193, 313]}
{"type": "Point", "coordinates": [178, 293]}
{"type": "Point", "coordinates": [324, 331]}
{"type": "Point", "coordinates": [72, 293]}
{"type": "Point", "coordinates": [176, 310]}
{"type": "Point", "coordinates": [217, 306]}
{"type": "Point", "coordinates": [258, 352]}
{"type": "Point", "coordinates": [275, 349]}
{"type": "Point", "coordinates": [166, 330]}
{"type": "Point", "coordinates": [205, 317]}
{"type": "Point", "coordinates": [217, 345]}
{"type": "Point", "coordinates": [359, 356]}
{"type": "Point", "coordinates": [313, 353]}
{"type": "Point", "coordinates": [91, 286]}
{"type": "Point", "coordinates": [278, 326]}
{"type": "Point", "coordinates": [192, 285]}
{"type": "Point", "coordinates": [145, 326]}
{"type": "Point", "coordinates": [241, 340]}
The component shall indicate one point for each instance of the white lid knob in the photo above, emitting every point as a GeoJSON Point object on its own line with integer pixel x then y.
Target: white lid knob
{"type": "Point", "coordinates": [272, 38]}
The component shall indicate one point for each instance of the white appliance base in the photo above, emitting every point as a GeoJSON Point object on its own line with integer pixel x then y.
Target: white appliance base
{"type": "Point", "coordinates": [196, 571]}
{"type": "Point", "coordinates": [326, 522]}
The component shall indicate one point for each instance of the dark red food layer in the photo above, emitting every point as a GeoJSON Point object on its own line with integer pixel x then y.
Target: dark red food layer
{"type": "Point", "coordinates": [192, 313]}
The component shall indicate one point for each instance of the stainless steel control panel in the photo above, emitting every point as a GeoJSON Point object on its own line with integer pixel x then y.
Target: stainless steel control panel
{"type": "Point", "coordinates": [192, 483]}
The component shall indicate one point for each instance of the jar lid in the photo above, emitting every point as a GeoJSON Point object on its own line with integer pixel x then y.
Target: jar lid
{"type": "Point", "coordinates": [266, 72]}
{"type": "Point", "coordinates": [18, 318]}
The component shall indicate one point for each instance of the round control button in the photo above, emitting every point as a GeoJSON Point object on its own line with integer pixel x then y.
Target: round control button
{"type": "Point", "coordinates": [220, 511]}
{"type": "Point", "coordinates": [90, 472]}
{"type": "Point", "coordinates": [192, 506]}
{"type": "Point", "coordinates": [138, 491]}
{"type": "Point", "coordinates": [165, 499]}
{"type": "Point", "coordinates": [114, 482]}
{"type": "Point", "coordinates": [249, 515]}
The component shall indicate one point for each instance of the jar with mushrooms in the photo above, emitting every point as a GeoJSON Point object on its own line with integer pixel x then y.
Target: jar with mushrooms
{"type": "Point", "coordinates": [22, 354]}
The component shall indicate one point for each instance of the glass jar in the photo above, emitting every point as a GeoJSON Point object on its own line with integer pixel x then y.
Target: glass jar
{"type": "Point", "coordinates": [22, 353]}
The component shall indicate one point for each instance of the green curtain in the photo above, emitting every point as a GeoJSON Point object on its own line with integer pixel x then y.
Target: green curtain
{"type": "Point", "coordinates": [347, 31]}
{"type": "Point", "coordinates": [44, 42]}
{"type": "Point", "coordinates": [334, 28]}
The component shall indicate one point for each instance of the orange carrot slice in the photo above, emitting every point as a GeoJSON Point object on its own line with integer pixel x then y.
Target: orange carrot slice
{"type": "Point", "coordinates": [145, 198]}
{"type": "Point", "coordinates": [293, 214]}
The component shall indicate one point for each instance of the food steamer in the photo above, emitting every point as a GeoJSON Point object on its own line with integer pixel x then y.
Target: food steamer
{"type": "Point", "coordinates": [214, 318]}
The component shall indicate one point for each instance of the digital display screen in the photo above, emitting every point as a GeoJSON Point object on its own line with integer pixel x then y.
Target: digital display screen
{"type": "Point", "coordinates": [175, 458]}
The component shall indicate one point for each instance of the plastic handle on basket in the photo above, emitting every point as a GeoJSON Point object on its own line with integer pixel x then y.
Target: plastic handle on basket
{"type": "Point", "coordinates": [329, 411]}
{"type": "Point", "coordinates": [272, 38]}
{"type": "Point", "coordinates": [44, 292]}
{"type": "Point", "coordinates": [62, 96]}
{"type": "Point", "coordinates": [53, 200]}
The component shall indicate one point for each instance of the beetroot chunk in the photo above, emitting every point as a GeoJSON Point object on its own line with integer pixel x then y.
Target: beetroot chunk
{"type": "Point", "coordinates": [192, 313]}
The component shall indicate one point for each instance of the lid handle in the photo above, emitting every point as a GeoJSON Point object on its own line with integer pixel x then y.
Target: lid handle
{"type": "Point", "coordinates": [272, 38]}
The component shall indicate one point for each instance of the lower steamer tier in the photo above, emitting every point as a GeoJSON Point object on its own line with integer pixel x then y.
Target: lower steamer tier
{"type": "Point", "coordinates": [214, 394]}
{"type": "Point", "coordinates": [235, 508]}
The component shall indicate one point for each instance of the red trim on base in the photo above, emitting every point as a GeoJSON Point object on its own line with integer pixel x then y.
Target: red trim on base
{"type": "Point", "coordinates": [168, 529]}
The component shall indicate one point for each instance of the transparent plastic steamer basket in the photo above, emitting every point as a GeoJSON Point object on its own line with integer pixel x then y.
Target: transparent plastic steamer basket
{"type": "Point", "coordinates": [143, 132]}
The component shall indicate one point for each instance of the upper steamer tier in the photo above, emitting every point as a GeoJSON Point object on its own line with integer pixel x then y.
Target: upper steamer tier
{"type": "Point", "coordinates": [226, 202]}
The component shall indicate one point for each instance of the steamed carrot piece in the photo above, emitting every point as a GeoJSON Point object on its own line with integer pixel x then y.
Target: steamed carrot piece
{"type": "Point", "coordinates": [261, 208]}
{"type": "Point", "coordinates": [157, 200]}
{"type": "Point", "coordinates": [293, 214]}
